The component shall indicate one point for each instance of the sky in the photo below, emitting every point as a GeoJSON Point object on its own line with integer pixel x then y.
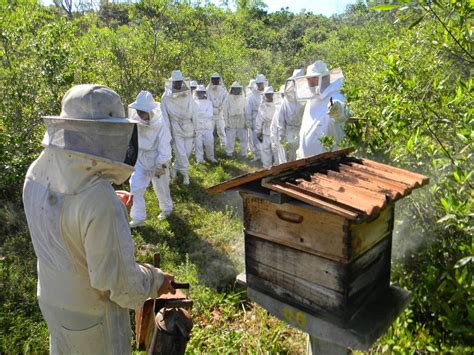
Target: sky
{"type": "Point", "coordinates": [324, 7]}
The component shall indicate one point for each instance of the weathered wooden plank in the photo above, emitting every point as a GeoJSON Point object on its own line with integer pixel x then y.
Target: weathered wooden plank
{"type": "Point", "coordinates": [319, 233]}
{"type": "Point", "coordinates": [373, 273]}
{"type": "Point", "coordinates": [360, 333]}
{"type": "Point", "coordinates": [246, 178]}
{"type": "Point", "coordinates": [362, 262]}
{"type": "Point", "coordinates": [295, 299]}
{"type": "Point", "coordinates": [341, 197]}
{"type": "Point", "coordinates": [309, 267]}
{"type": "Point", "coordinates": [365, 235]}
{"type": "Point", "coordinates": [420, 179]}
{"type": "Point", "coordinates": [365, 184]}
{"type": "Point", "coordinates": [303, 196]}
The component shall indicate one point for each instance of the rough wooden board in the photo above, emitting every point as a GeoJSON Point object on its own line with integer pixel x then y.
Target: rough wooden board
{"type": "Point", "coordinates": [304, 196]}
{"type": "Point", "coordinates": [329, 310]}
{"type": "Point", "coordinates": [309, 267]}
{"type": "Point", "coordinates": [144, 323]}
{"type": "Point", "coordinates": [246, 178]}
{"type": "Point", "coordinates": [365, 235]}
{"type": "Point", "coordinates": [319, 233]}
{"type": "Point", "coordinates": [421, 180]}
{"type": "Point", "coordinates": [360, 333]}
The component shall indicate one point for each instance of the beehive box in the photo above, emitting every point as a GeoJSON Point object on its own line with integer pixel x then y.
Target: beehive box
{"type": "Point", "coordinates": [318, 231]}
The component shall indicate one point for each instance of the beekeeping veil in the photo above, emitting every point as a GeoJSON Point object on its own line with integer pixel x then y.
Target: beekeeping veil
{"type": "Point", "coordinates": [185, 89]}
{"type": "Point", "coordinates": [236, 88]}
{"type": "Point", "coordinates": [320, 71]}
{"type": "Point", "coordinates": [146, 103]}
{"type": "Point", "coordinates": [290, 86]}
{"type": "Point", "coordinates": [92, 122]}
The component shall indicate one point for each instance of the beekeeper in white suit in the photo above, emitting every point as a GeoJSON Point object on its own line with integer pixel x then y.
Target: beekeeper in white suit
{"type": "Point", "coordinates": [263, 123]}
{"type": "Point", "coordinates": [87, 274]}
{"type": "Point", "coordinates": [154, 157]}
{"type": "Point", "coordinates": [204, 126]}
{"type": "Point", "coordinates": [290, 117]}
{"type": "Point", "coordinates": [177, 107]}
{"type": "Point", "coordinates": [325, 113]}
{"type": "Point", "coordinates": [236, 124]}
{"type": "Point", "coordinates": [254, 99]}
{"type": "Point", "coordinates": [217, 94]}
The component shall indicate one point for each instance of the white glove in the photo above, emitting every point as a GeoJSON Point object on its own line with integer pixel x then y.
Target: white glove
{"type": "Point", "coordinates": [161, 171]}
{"type": "Point", "coordinates": [337, 112]}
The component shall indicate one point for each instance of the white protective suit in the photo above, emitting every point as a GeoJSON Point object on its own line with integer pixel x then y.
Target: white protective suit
{"type": "Point", "coordinates": [217, 94]}
{"type": "Point", "coordinates": [263, 123]}
{"type": "Point", "coordinates": [87, 274]}
{"type": "Point", "coordinates": [204, 126]}
{"type": "Point", "coordinates": [154, 157]}
{"type": "Point", "coordinates": [178, 109]}
{"type": "Point", "coordinates": [254, 99]}
{"type": "Point", "coordinates": [236, 123]}
{"type": "Point", "coordinates": [317, 120]}
{"type": "Point", "coordinates": [289, 121]}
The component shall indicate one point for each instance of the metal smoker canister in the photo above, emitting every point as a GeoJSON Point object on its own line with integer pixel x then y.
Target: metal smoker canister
{"type": "Point", "coordinates": [172, 331]}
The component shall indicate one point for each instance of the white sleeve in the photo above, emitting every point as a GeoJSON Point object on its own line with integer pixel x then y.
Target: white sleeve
{"type": "Point", "coordinates": [110, 255]}
{"type": "Point", "coordinates": [164, 144]}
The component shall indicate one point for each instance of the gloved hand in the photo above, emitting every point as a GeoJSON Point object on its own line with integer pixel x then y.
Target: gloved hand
{"type": "Point", "coordinates": [336, 110]}
{"type": "Point", "coordinates": [260, 137]}
{"type": "Point", "coordinates": [161, 171]}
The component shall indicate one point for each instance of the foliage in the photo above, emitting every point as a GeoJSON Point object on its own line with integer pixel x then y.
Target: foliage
{"type": "Point", "coordinates": [408, 82]}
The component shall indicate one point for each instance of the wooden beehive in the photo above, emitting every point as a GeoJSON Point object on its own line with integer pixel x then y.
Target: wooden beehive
{"type": "Point", "coordinates": [318, 231]}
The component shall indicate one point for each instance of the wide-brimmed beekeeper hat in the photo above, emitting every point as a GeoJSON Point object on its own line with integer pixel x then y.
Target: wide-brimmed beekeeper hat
{"type": "Point", "coordinates": [236, 85]}
{"type": "Point", "coordinates": [144, 102]}
{"type": "Point", "coordinates": [92, 121]}
{"type": "Point", "coordinates": [215, 76]}
{"type": "Point", "coordinates": [201, 88]}
{"type": "Point", "coordinates": [269, 90]}
{"type": "Point", "coordinates": [91, 102]}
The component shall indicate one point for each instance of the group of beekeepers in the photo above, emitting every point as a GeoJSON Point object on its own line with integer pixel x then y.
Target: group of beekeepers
{"type": "Point", "coordinates": [280, 126]}
{"type": "Point", "coordinates": [87, 274]}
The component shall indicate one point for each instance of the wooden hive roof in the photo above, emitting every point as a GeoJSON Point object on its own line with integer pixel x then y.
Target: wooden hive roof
{"type": "Point", "coordinates": [352, 187]}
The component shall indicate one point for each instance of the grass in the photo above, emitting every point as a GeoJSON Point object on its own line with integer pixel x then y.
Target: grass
{"type": "Point", "coordinates": [201, 243]}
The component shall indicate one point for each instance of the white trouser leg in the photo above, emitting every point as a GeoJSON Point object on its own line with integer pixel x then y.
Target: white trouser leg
{"type": "Point", "coordinates": [230, 134]}
{"type": "Point", "coordinates": [254, 143]}
{"type": "Point", "coordinates": [208, 141]}
{"type": "Point", "coordinates": [181, 162]}
{"type": "Point", "coordinates": [220, 128]}
{"type": "Point", "coordinates": [161, 186]}
{"type": "Point", "coordinates": [266, 151]}
{"type": "Point", "coordinates": [198, 147]}
{"type": "Point", "coordinates": [189, 145]}
{"type": "Point", "coordinates": [244, 141]}
{"type": "Point", "coordinates": [139, 181]}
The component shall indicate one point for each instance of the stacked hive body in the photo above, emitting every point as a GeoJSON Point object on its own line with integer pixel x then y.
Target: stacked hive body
{"type": "Point", "coordinates": [318, 231]}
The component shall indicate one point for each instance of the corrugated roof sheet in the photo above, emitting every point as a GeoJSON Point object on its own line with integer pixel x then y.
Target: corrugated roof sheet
{"type": "Point", "coordinates": [348, 186]}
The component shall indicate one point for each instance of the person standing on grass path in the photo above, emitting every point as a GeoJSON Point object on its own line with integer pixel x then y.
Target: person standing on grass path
{"type": "Point", "coordinates": [204, 126]}
{"type": "Point", "coordinates": [177, 107]}
{"type": "Point", "coordinates": [217, 94]}
{"type": "Point", "coordinates": [87, 275]}
{"type": "Point", "coordinates": [325, 112]}
{"type": "Point", "coordinates": [154, 157]}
